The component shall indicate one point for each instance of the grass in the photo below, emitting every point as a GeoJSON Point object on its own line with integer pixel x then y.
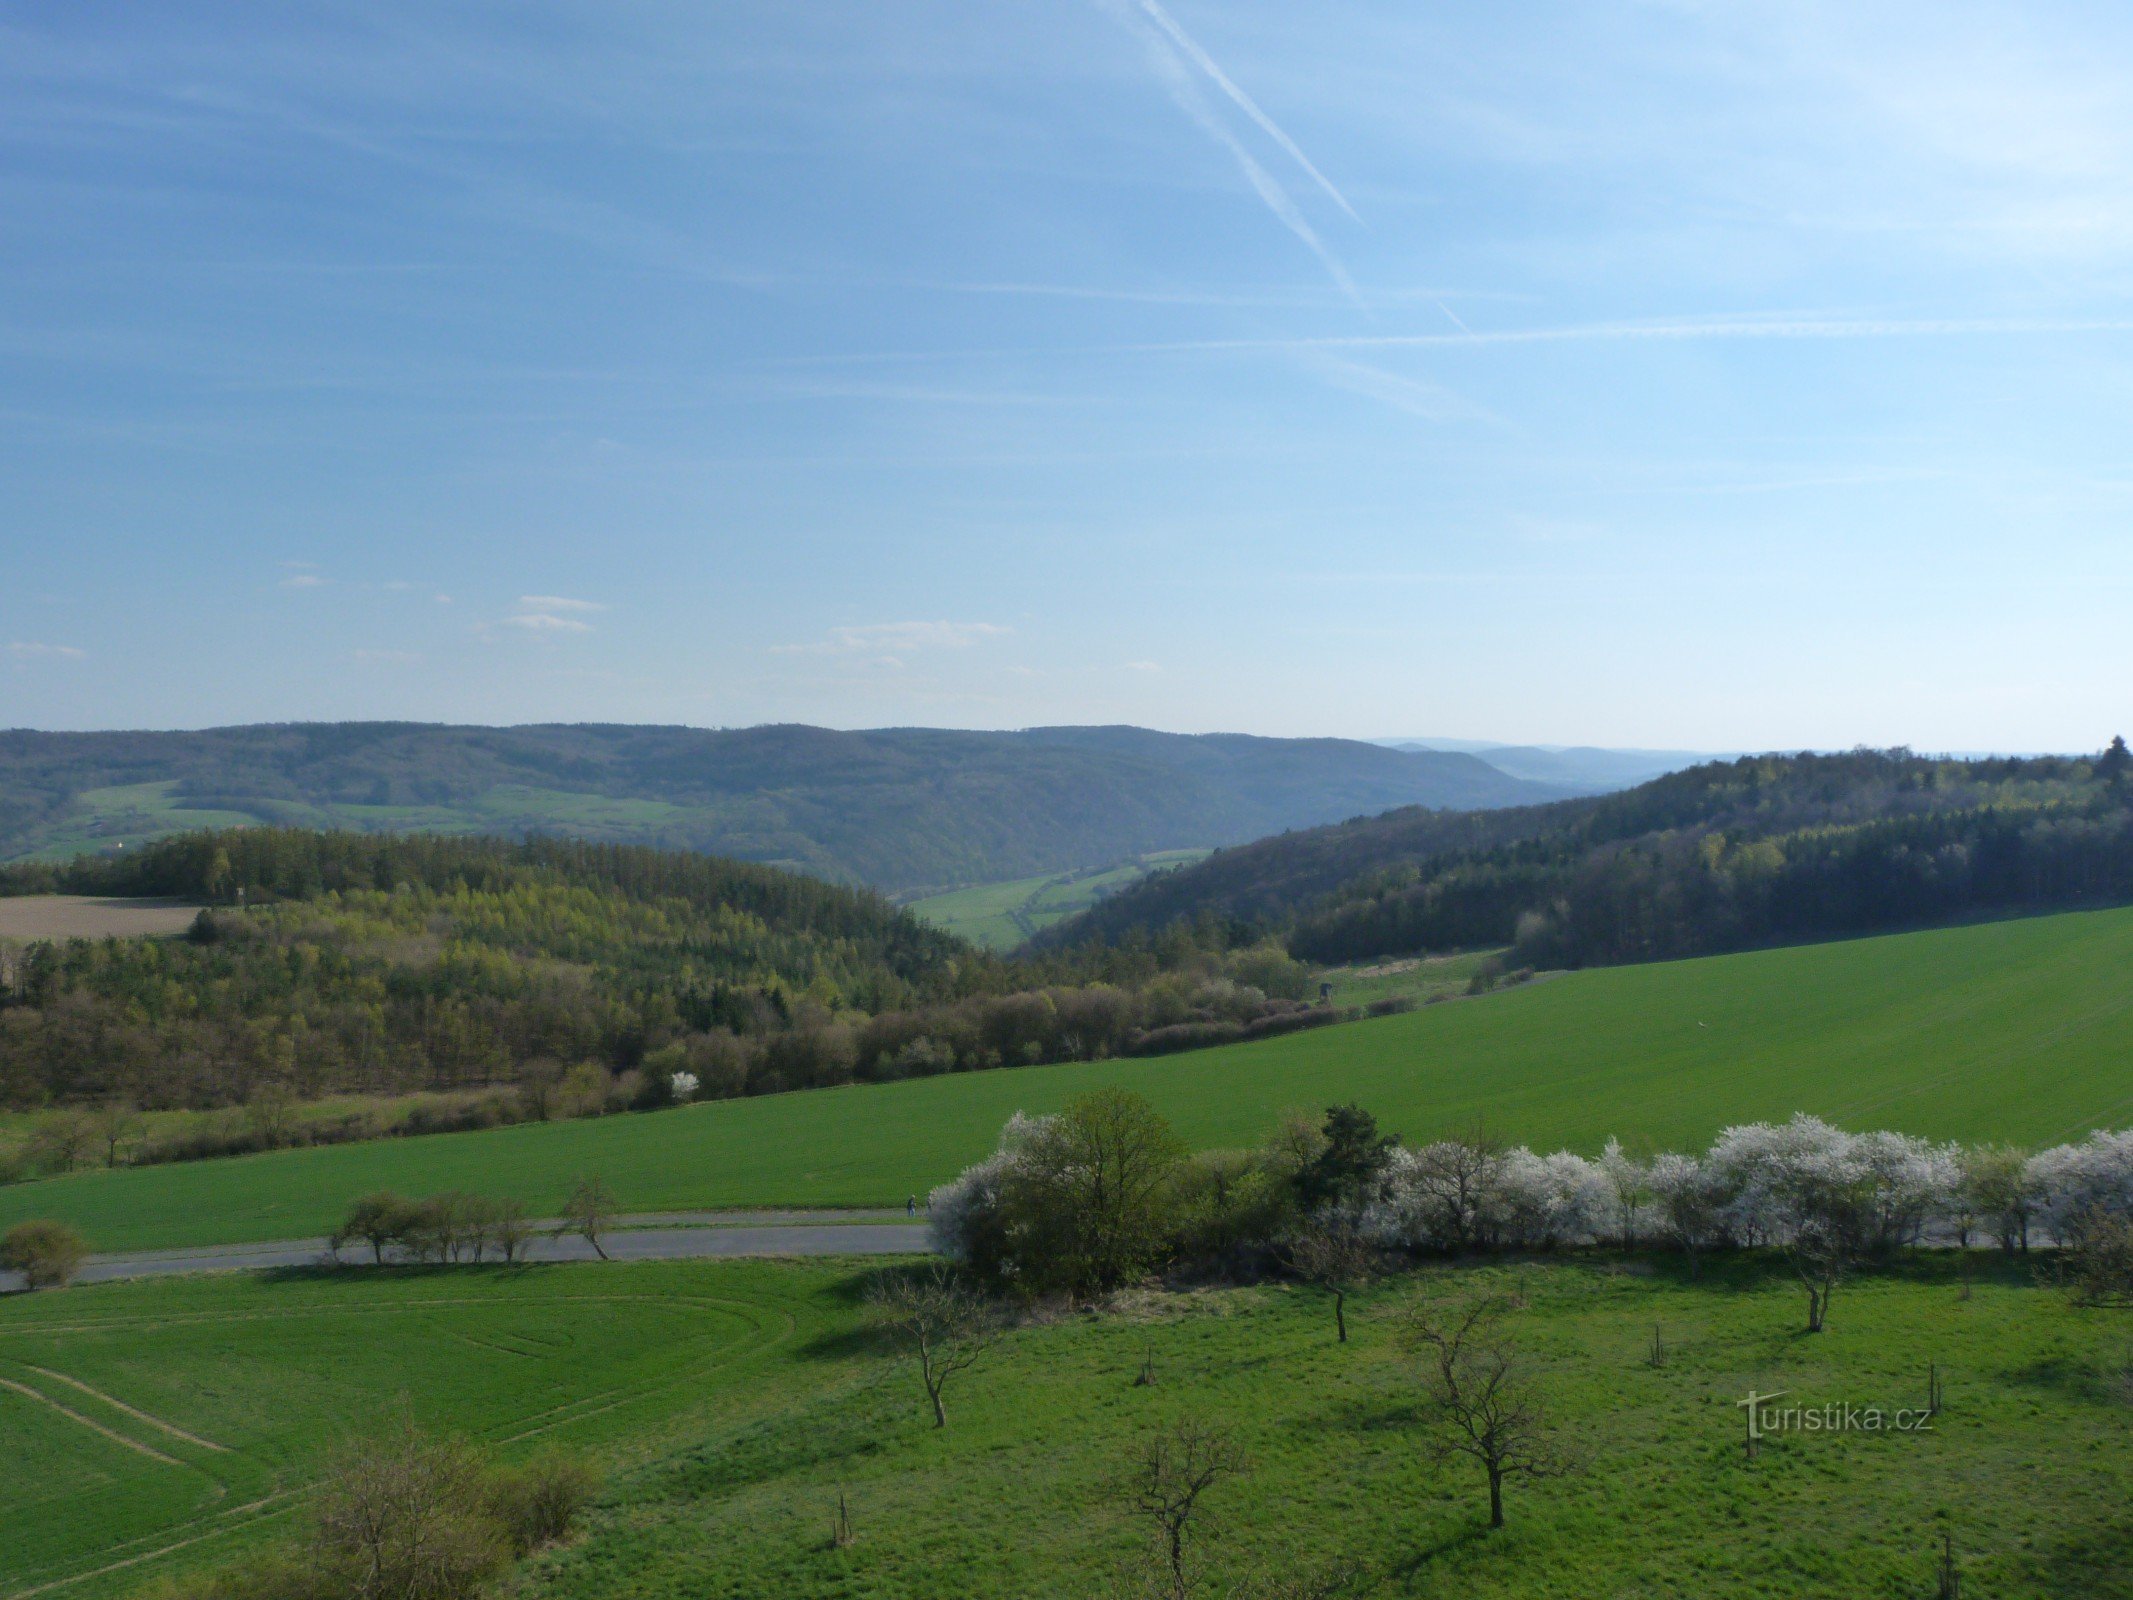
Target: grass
{"type": "Point", "coordinates": [2011, 1030]}
{"type": "Point", "coordinates": [1002, 915]}
{"type": "Point", "coordinates": [125, 814]}
{"type": "Point", "coordinates": [276, 1369]}
{"type": "Point", "coordinates": [1420, 978]}
{"type": "Point", "coordinates": [733, 1403]}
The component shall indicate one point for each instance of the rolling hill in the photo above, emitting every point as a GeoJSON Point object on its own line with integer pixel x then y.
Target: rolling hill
{"type": "Point", "coordinates": [899, 809]}
{"type": "Point", "coordinates": [2015, 1030]}
{"type": "Point", "coordinates": [1728, 855]}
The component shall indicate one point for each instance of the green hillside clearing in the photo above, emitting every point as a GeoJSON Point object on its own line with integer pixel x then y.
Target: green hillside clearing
{"type": "Point", "coordinates": [1000, 916]}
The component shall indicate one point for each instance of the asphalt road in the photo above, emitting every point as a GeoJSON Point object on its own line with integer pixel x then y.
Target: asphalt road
{"type": "Point", "coordinates": [661, 1236]}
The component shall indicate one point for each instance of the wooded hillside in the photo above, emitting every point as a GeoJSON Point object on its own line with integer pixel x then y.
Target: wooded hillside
{"type": "Point", "coordinates": [1765, 849]}
{"type": "Point", "coordinates": [900, 809]}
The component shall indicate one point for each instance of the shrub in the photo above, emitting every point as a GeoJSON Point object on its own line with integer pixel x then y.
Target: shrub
{"type": "Point", "coordinates": [2078, 1184]}
{"type": "Point", "coordinates": [1080, 1202]}
{"type": "Point", "coordinates": [537, 1503]}
{"type": "Point", "coordinates": [47, 1254]}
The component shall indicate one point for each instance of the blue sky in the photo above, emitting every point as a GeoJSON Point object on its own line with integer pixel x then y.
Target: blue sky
{"type": "Point", "coordinates": [1669, 373]}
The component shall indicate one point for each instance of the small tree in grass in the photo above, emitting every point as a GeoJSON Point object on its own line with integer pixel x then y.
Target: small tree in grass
{"type": "Point", "coordinates": [1819, 1253]}
{"type": "Point", "coordinates": [1172, 1471]}
{"type": "Point", "coordinates": [1333, 1254]}
{"type": "Point", "coordinates": [1482, 1395]}
{"type": "Point", "coordinates": [114, 1124]}
{"type": "Point", "coordinates": [47, 1254]}
{"type": "Point", "coordinates": [590, 1212]}
{"type": "Point", "coordinates": [946, 1323]}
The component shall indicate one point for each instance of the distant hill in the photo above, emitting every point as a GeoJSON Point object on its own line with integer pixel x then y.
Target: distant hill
{"type": "Point", "coordinates": [1587, 769]}
{"type": "Point", "coordinates": [900, 809]}
{"type": "Point", "coordinates": [1730, 854]}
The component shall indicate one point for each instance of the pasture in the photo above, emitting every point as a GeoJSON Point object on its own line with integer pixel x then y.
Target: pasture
{"type": "Point", "coordinates": [1000, 916]}
{"type": "Point", "coordinates": [2013, 1030]}
{"type": "Point", "coordinates": [731, 1405]}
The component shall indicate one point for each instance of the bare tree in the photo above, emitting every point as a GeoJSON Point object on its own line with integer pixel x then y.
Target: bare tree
{"type": "Point", "coordinates": [399, 1517]}
{"type": "Point", "coordinates": [947, 1324]}
{"type": "Point", "coordinates": [115, 1123]}
{"type": "Point", "coordinates": [1482, 1395]}
{"type": "Point", "coordinates": [508, 1228]}
{"type": "Point", "coordinates": [1819, 1252]}
{"type": "Point", "coordinates": [589, 1212]}
{"type": "Point", "coordinates": [1332, 1253]}
{"type": "Point", "coordinates": [1172, 1471]}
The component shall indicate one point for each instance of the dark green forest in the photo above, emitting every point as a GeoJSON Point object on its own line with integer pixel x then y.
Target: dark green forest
{"type": "Point", "coordinates": [1725, 856]}
{"type": "Point", "coordinates": [901, 809]}
{"type": "Point", "coordinates": [347, 962]}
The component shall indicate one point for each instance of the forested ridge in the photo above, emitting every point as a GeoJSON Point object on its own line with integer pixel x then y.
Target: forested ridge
{"type": "Point", "coordinates": [901, 809]}
{"type": "Point", "coordinates": [345, 962]}
{"type": "Point", "coordinates": [1764, 849]}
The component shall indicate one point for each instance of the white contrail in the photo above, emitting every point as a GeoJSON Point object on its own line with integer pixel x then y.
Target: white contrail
{"type": "Point", "coordinates": [1449, 312]}
{"type": "Point", "coordinates": [1185, 94]}
{"type": "Point", "coordinates": [1244, 102]}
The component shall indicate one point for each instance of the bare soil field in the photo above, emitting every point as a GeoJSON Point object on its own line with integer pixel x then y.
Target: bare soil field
{"type": "Point", "coordinates": [81, 916]}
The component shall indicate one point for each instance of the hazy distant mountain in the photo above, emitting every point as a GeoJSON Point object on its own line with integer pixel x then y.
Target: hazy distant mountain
{"type": "Point", "coordinates": [1587, 769]}
{"type": "Point", "coordinates": [899, 808]}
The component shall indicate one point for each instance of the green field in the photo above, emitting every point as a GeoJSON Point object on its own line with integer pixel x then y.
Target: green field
{"type": "Point", "coordinates": [128, 814]}
{"type": "Point", "coordinates": [731, 1404]}
{"type": "Point", "coordinates": [2013, 1030]}
{"type": "Point", "coordinates": [1002, 915]}
{"type": "Point", "coordinates": [194, 1410]}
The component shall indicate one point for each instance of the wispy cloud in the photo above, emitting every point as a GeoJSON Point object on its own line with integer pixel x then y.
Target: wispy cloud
{"type": "Point", "coordinates": [387, 657]}
{"type": "Point", "coordinates": [1244, 102]}
{"type": "Point", "coordinates": [1775, 326]}
{"type": "Point", "coordinates": [557, 602]}
{"type": "Point", "coordinates": [882, 638]}
{"type": "Point", "coordinates": [303, 580]}
{"type": "Point", "coordinates": [546, 622]}
{"type": "Point", "coordinates": [1416, 396]}
{"type": "Point", "coordinates": [1173, 55]}
{"type": "Point", "coordinates": [36, 649]}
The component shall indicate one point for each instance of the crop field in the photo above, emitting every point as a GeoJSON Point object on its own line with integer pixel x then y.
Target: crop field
{"type": "Point", "coordinates": [2013, 1030]}
{"type": "Point", "coordinates": [730, 1405]}
{"type": "Point", "coordinates": [1002, 915]}
{"type": "Point", "coordinates": [187, 1416]}
{"type": "Point", "coordinates": [78, 916]}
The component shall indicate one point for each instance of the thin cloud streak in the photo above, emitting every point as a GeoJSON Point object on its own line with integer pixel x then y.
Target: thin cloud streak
{"type": "Point", "coordinates": [1244, 102]}
{"type": "Point", "coordinates": [1716, 328]}
{"type": "Point", "coordinates": [1185, 94]}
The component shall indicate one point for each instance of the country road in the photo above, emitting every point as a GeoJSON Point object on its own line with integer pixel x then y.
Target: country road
{"type": "Point", "coordinates": [656, 1236]}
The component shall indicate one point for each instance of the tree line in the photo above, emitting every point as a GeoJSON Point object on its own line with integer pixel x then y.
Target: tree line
{"type": "Point", "coordinates": [583, 977]}
{"type": "Point", "coordinates": [1722, 856]}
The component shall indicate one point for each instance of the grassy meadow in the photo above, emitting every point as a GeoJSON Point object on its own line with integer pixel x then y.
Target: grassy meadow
{"type": "Point", "coordinates": [1000, 916]}
{"type": "Point", "coordinates": [730, 1404]}
{"type": "Point", "coordinates": [2013, 1030]}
